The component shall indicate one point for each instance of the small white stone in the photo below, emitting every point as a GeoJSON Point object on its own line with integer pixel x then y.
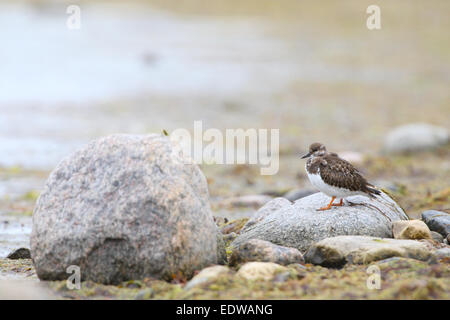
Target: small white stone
{"type": "Point", "coordinates": [260, 270]}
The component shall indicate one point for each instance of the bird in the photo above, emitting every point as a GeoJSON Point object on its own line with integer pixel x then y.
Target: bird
{"type": "Point", "coordinates": [334, 176]}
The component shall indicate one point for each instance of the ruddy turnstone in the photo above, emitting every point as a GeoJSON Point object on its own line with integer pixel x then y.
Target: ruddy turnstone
{"type": "Point", "coordinates": [334, 176]}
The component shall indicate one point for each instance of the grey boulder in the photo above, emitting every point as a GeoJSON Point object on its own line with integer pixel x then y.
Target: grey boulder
{"type": "Point", "coordinates": [299, 225]}
{"type": "Point", "coordinates": [415, 137]}
{"type": "Point", "coordinates": [124, 207]}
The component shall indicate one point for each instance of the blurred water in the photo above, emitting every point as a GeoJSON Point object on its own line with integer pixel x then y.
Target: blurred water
{"type": "Point", "coordinates": [135, 69]}
{"type": "Point", "coordinates": [54, 80]}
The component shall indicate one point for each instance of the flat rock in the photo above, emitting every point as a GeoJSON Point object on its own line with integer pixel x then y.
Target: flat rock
{"type": "Point", "coordinates": [415, 137]}
{"type": "Point", "coordinates": [412, 229]}
{"type": "Point", "coordinates": [437, 221]}
{"type": "Point", "coordinates": [264, 251]}
{"type": "Point", "coordinates": [124, 207]}
{"type": "Point", "coordinates": [299, 225]}
{"type": "Point", "coordinates": [260, 270]}
{"type": "Point", "coordinates": [337, 251]}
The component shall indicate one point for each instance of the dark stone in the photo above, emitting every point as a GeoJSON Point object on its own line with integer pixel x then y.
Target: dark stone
{"type": "Point", "coordinates": [437, 221]}
{"type": "Point", "coordinates": [21, 253]}
{"type": "Point", "coordinates": [325, 258]}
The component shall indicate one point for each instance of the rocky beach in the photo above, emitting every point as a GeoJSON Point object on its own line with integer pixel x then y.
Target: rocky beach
{"type": "Point", "coordinates": [90, 178]}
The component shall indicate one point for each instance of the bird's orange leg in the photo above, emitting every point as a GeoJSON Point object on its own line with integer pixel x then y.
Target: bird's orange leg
{"type": "Point", "coordinates": [340, 204]}
{"type": "Point", "coordinates": [329, 206]}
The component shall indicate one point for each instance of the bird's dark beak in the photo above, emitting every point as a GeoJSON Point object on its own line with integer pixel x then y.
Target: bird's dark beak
{"type": "Point", "coordinates": [306, 155]}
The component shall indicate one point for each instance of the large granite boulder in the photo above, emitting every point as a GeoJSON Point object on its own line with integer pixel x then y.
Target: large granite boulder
{"type": "Point", "coordinates": [124, 207]}
{"type": "Point", "coordinates": [299, 225]}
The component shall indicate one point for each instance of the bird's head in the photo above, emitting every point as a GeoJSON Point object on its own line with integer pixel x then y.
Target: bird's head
{"type": "Point", "coordinates": [315, 149]}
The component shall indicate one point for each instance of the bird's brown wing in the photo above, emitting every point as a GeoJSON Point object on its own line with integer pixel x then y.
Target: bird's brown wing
{"type": "Point", "coordinates": [340, 173]}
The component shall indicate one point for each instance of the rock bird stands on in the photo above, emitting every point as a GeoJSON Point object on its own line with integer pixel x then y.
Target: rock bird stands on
{"type": "Point", "coordinates": [334, 176]}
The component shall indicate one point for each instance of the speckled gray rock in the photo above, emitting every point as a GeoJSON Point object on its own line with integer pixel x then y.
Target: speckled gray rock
{"type": "Point", "coordinates": [299, 225]}
{"type": "Point", "coordinates": [124, 207]}
{"type": "Point", "coordinates": [437, 221]}
{"type": "Point", "coordinates": [264, 251]}
{"type": "Point", "coordinates": [415, 137]}
{"type": "Point", "coordinates": [337, 251]}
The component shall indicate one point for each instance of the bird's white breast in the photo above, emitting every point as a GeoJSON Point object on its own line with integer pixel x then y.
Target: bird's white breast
{"type": "Point", "coordinates": [329, 190]}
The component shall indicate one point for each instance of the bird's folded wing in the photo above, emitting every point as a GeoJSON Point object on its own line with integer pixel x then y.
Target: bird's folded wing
{"type": "Point", "coordinates": [340, 173]}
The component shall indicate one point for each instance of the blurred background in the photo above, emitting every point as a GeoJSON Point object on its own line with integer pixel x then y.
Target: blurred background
{"type": "Point", "coordinates": [311, 69]}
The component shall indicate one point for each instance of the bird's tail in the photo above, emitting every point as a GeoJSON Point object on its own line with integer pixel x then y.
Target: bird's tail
{"type": "Point", "coordinates": [372, 191]}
